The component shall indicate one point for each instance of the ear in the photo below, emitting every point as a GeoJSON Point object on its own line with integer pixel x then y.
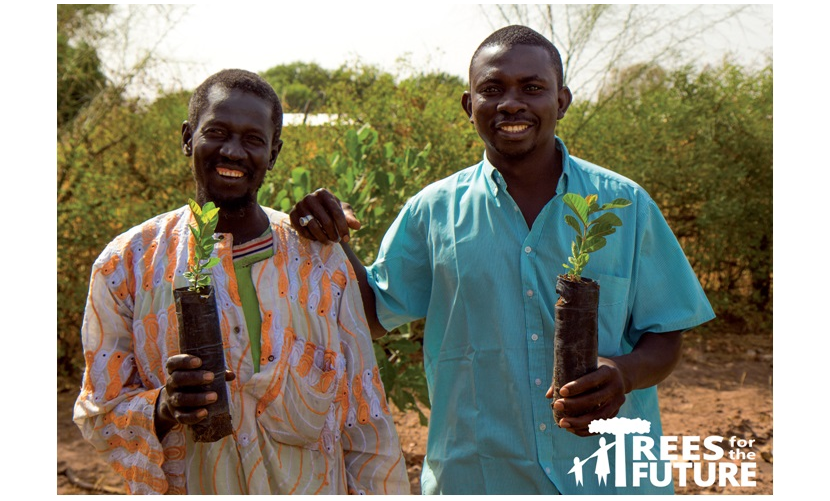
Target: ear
{"type": "Point", "coordinates": [275, 152]}
{"type": "Point", "coordinates": [187, 139]}
{"type": "Point", "coordinates": [565, 98]}
{"type": "Point", "coordinates": [467, 104]}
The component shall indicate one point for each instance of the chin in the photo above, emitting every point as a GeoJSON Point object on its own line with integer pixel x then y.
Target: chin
{"type": "Point", "coordinates": [517, 152]}
{"type": "Point", "coordinates": [231, 203]}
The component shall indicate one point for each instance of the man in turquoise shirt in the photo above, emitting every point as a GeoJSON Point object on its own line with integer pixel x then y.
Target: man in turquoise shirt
{"type": "Point", "coordinates": [477, 254]}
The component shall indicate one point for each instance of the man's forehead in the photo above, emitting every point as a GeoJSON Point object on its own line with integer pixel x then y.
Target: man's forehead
{"type": "Point", "coordinates": [218, 92]}
{"type": "Point", "coordinates": [219, 95]}
{"type": "Point", "coordinates": [511, 60]}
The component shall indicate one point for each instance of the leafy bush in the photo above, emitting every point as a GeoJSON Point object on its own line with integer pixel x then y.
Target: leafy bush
{"type": "Point", "coordinates": [699, 142]}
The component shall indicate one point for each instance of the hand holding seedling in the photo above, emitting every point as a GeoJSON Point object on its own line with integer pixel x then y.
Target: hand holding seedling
{"type": "Point", "coordinates": [185, 394]}
{"type": "Point", "coordinates": [597, 395]}
{"type": "Point", "coordinates": [585, 386]}
{"type": "Point", "coordinates": [600, 394]}
{"type": "Point", "coordinates": [183, 398]}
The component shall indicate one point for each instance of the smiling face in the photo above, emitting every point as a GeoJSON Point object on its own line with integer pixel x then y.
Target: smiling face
{"type": "Point", "coordinates": [514, 102]}
{"type": "Point", "coordinates": [232, 146]}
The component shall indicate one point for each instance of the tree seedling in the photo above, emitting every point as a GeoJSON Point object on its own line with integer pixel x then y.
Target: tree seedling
{"type": "Point", "coordinates": [590, 235]}
{"type": "Point", "coordinates": [207, 218]}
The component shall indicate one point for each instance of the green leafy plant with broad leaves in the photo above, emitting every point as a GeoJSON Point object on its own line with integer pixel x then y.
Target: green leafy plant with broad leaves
{"type": "Point", "coordinates": [376, 179]}
{"type": "Point", "coordinates": [207, 218]}
{"type": "Point", "coordinates": [590, 234]}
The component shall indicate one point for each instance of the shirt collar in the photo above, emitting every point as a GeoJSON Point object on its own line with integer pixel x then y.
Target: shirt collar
{"type": "Point", "coordinates": [496, 182]}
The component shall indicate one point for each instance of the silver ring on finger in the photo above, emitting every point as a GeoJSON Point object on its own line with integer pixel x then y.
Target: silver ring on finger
{"type": "Point", "coordinates": [305, 220]}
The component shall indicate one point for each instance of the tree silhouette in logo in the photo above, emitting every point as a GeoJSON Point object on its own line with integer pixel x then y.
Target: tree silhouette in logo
{"type": "Point", "coordinates": [619, 427]}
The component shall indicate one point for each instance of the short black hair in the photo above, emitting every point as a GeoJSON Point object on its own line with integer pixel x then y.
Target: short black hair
{"type": "Point", "coordinates": [515, 34]}
{"type": "Point", "coordinates": [235, 79]}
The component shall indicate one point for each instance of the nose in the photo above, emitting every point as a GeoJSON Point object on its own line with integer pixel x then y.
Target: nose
{"type": "Point", "coordinates": [232, 148]}
{"type": "Point", "coordinates": [511, 103]}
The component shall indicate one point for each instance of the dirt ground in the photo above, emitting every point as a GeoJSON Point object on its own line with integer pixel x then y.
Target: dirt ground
{"type": "Point", "coordinates": [722, 387]}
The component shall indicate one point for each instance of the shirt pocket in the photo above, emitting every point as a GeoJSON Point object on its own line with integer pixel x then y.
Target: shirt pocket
{"type": "Point", "coordinates": [613, 313]}
{"type": "Point", "coordinates": [306, 404]}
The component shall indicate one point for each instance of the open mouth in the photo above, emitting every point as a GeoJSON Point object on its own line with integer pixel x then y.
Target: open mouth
{"type": "Point", "coordinates": [513, 128]}
{"type": "Point", "coordinates": [231, 173]}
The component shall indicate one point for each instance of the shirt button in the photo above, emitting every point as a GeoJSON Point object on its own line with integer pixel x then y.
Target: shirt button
{"type": "Point", "coordinates": [528, 249]}
{"type": "Point", "coordinates": [542, 427]}
{"type": "Point", "coordinates": [547, 469]}
{"type": "Point", "coordinates": [538, 383]}
{"type": "Point", "coordinates": [535, 337]}
{"type": "Point", "coordinates": [270, 358]}
{"type": "Point", "coordinates": [529, 293]}
{"type": "Point", "coordinates": [236, 330]}
{"type": "Point", "coordinates": [516, 208]}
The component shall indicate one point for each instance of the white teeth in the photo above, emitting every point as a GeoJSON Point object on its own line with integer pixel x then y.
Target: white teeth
{"type": "Point", "coordinates": [514, 128]}
{"type": "Point", "coordinates": [229, 172]}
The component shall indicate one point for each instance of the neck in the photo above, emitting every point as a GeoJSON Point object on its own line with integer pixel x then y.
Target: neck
{"type": "Point", "coordinates": [244, 223]}
{"type": "Point", "coordinates": [537, 172]}
{"type": "Point", "coordinates": [532, 182]}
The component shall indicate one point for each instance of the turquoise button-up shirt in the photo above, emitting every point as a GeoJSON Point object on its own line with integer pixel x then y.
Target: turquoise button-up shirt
{"type": "Point", "coordinates": [461, 255]}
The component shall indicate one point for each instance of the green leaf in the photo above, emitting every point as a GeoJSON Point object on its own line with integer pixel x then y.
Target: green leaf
{"type": "Point", "coordinates": [594, 245]}
{"type": "Point", "coordinates": [617, 203]}
{"type": "Point", "coordinates": [196, 233]}
{"type": "Point", "coordinates": [335, 164]}
{"type": "Point", "coordinates": [353, 145]}
{"type": "Point", "coordinates": [600, 230]}
{"type": "Point", "coordinates": [591, 200]}
{"type": "Point", "coordinates": [211, 263]}
{"type": "Point", "coordinates": [608, 218]}
{"type": "Point", "coordinates": [573, 223]}
{"type": "Point", "coordinates": [301, 179]}
{"type": "Point", "coordinates": [577, 204]}
{"type": "Point", "coordinates": [367, 132]}
{"type": "Point", "coordinates": [208, 230]}
{"type": "Point", "coordinates": [208, 215]}
{"type": "Point", "coordinates": [194, 207]}
{"type": "Point", "coordinates": [422, 418]}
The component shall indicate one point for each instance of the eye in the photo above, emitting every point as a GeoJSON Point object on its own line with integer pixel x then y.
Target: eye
{"type": "Point", "coordinates": [533, 88]}
{"type": "Point", "coordinates": [257, 140]}
{"type": "Point", "coordinates": [213, 132]}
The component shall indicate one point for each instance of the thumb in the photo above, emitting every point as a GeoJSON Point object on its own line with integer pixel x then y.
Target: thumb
{"type": "Point", "coordinates": [351, 219]}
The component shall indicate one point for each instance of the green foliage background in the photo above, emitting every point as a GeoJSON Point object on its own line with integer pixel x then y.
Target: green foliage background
{"type": "Point", "coordinates": [699, 141]}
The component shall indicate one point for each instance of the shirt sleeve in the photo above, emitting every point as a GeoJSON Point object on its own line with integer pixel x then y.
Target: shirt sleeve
{"type": "Point", "coordinates": [114, 410]}
{"type": "Point", "coordinates": [667, 294]}
{"type": "Point", "coordinates": [372, 449]}
{"type": "Point", "coordinates": [401, 277]}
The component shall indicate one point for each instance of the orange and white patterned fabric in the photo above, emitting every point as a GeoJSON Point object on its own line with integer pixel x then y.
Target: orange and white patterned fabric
{"type": "Point", "coordinates": [314, 420]}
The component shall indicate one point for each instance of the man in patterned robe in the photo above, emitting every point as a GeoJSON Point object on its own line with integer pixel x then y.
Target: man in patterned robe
{"type": "Point", "coordinates": [308, 407]}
